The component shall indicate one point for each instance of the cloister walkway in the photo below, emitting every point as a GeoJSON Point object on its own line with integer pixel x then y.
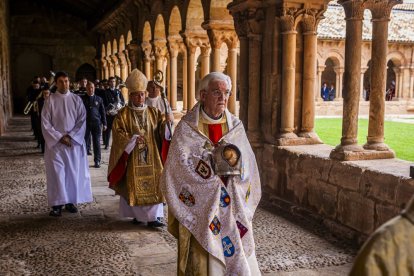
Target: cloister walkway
{"type": "Point", "coordinates": [97, 242]}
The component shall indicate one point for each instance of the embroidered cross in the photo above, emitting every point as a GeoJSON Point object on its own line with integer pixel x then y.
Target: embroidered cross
{"type": "Point", "coordinates": [227, 247]}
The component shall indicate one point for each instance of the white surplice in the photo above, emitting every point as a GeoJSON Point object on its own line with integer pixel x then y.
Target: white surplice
{"type": "Point", "coordinates": [67, 172]}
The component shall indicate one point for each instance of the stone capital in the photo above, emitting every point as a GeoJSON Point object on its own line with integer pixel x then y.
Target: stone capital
{"type": "Point", "coordinates": [194, 40]}
{"type": "Point", "coordinates": [310, 20]}
{"type": "Point", "coordinates": [146, 49]}
{"type": "Point", "coordinates": [218, 37]}
{"type": "Point", "coordinates": [354, 9]}
{"type": "Point", "coordinates": [240, 23]}
{"type": "Point", "coordinates": [160, 48]}
{"type": "Point", "coordinates": [121, 58]}
{"type": "Point", "coordinates": [288, 19]}
{"type": "Point", "coordinates": [381, 9]}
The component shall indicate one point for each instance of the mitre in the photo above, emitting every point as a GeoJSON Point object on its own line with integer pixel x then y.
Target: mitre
{"type": "Point", "coordinates": [136, 81]}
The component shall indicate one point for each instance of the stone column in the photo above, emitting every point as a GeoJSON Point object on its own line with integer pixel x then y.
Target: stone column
{"type": "Point", "coordinates": [380, 17]}
{"type": "Point", "coordinates": [411, 83]}
{"type": "Point", "coordinates": [318, 96]}
{"type": "Point", "coordinates": [191, 76]}
{"type": "Point", "coordinates": [133, 55]}
{"type": "Point", "coordinates": [309, 74]}
{"type": "Point", "coordinates": [160, 53]}
{"type": "Point", "coordinates": [110, 65]}
{"type": "Point", "coordinates": [354, 12]}
{"type": "Point", "coordinates": [405, 82]}
{"type": "Point", "coordinates": [115, 62]}
{"type": "Point", "coordinates": [241, 28]}
{"type": "Point", "coordinates": [173, 74]}
{"type": "Point", "coordinates": [398, 74]}
{"type": "Point", "coordinates": [339, 74]}
{"type": "Point", "coordinates": [123, 66]}
{"type": "Point", "coordinates": [232, 71]}
{"type": "Point", "coordinates": [105, 68]}
{"type": "Point", "coordinates": [147, 48]}
{"type": "Point", "coordinates": [185, 80]}
{"type": "Point", "coordinates": [288, 74]}
{"type": "Point", "coordinates": [205, 61]}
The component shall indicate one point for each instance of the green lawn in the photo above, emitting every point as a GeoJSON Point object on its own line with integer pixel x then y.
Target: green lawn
{"type": "Point", "coordinates": [399, 136]}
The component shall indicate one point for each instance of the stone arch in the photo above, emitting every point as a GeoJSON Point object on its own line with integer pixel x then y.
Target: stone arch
{"type": "Point", "coordinates": [337, 58]}
{"type": "Point", "coordinates": [159, 28]}
{"type": "Point", "coordinates": [175, 22]}
{"type": "Point", "coordinates": [397, 58]}
{"type": "Point", "coordinates": [146, 34]}
{"type": "Point", "coordinates": [218, 10]}
{"type": "Point", "coordinates": [114, 46]}
{"type": "Point", "coordinates": [121, 43]}
{"type": "Point", "coordinates": [194, 16]}
{"type": "Point", "coordinates": [129, 37]}
{"type": "Point", "coordinates": [108, 49]}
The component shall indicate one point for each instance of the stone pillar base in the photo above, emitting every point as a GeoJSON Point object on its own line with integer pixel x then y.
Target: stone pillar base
{"type": "Point", "coordinates": [298, 141]}
{"type": "Point", "coordinates": [254, 136]}
{"type": "Point", "coordinates": [342, 155]}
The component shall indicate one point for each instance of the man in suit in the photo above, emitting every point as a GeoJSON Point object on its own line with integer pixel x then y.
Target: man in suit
{"type": "Point", "coordinates": [325, 92]}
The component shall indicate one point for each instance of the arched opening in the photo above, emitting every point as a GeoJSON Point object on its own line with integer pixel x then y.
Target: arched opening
{"type": "Point", "coordinates": [108, 49]}
{"type": "Point", "coordinates": [218, 10]}
{"type": "Point", "coordinates": [329, 77]}
{"type": "Point", "coordinates": [114, 47]}
{"type": "Point", "coordinates": [391, 81]}
{"type": "Point", "coordinates": [366, 86]}
{"type": "Point", "coordinates": [129, 37]}
{"type": "Point", "coordinates": [86, 71]}
{"type": "Point", "coordinates": [195, 17]}
{"type": "Point", "coordinates": [28, 64]}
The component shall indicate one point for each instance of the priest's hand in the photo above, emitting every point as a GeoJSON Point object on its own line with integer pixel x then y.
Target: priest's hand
{"type": "Point", "coordinates": [66, 140]}
{"type": "Point", "coordinates": [140, 140]}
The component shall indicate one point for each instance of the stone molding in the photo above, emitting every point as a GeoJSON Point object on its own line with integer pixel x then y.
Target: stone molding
{"type": "Point", "coordinates": [381, 9]}
{"type": "Point", "coordinates": [160, 48]}
{"type": "Point", "coordinates": [193, 40]}
{"type": "Point", "coordinates": [147, 50]}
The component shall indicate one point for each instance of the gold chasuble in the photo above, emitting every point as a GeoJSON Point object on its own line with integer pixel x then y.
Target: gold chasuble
{"type": "Point", "coordinates": [140, 183]}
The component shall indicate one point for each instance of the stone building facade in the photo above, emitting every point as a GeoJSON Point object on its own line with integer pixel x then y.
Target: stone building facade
{"type": "Point", "coordinates": [276, 61]}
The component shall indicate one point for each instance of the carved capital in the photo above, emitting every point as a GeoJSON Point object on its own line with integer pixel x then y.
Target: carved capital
{"type": "Point", "coordinates": [354, 9]}
{"type": "Point", "coordinates": [240, 23]}
{"type": "Point", "coordinates": [194, 40]}
{"type": "Point", "coordinates": [309, 21]}
{"type": "Point", "coordinates": [381, 9]}
{"type": "Point", "coordinates": [121, 58]}
{"type": "Point", "coordinates": [160, 49]}
{"type": "Point", "coordinates": [146, 49]}
{"type": "Point", "coordinates": [205, 51]}
{"type": "Point", "coordinates": [255, 20]}
{"type": "Point", "coordinates": [288, 18]}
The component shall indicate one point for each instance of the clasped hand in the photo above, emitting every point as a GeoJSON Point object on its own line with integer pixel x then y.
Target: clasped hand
{"type": "Point", "coordinates": [66, 140]}
{"type": "Point", "coordinates": [140, 140]}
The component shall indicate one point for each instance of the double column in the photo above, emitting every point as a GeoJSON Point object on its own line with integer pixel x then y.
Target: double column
{"type": "Point", "coordinates": [147, 49]}
{"type": "Point", "coordinates": [218, 35]}
{"type": "Point", "coordinates": [174, 49]}
{"type": "Point", "coordinates": [160, 54]}
{"type": "Point", "coordinates": [381, 11]}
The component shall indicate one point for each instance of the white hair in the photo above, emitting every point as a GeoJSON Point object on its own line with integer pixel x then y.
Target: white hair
{"type": "Point", "coordinates": [205, 82]}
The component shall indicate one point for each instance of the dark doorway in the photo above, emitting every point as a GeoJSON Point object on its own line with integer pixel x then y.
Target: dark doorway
{"type": "Point", "coordinates": [86, 71]}
{"type": "Point", "coordinates": [28, 64]}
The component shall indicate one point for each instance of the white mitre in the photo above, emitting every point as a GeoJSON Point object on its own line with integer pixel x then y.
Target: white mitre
{"type": "Point", "coordinates": [136, 81]}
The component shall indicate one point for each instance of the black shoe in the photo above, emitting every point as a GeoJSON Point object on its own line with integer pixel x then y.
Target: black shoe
{"type": "Point", "coordinates": [136, 222]}
{"type": "Point", "coordinates": [97, 165]}
{"type": "Point", "coordinates": [71, 208]}
{"type": "Point", "coordinates": [89, 153]}
{"type": "Point", "coordinates": [56, 211]}
{"type": "Point", "coordinates": [155, 224]}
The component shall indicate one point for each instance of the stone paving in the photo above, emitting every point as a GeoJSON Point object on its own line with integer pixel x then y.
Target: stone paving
{"type": "Point", "coordinates": [96, 241]}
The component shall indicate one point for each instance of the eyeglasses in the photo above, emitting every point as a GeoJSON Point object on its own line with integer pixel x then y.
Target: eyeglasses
{"type": "Point", "coordinates": [218, 93]}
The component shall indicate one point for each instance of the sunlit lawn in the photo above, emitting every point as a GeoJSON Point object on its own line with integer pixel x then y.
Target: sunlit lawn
{"type": "Point", "coordinates": [399, 136]}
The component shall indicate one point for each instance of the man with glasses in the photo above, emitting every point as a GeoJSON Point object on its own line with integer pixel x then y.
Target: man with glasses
{"type": "Point", "coordinates": [212, 187]}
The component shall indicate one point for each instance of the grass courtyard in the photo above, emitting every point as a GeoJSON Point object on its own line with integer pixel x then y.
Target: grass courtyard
{"type": "Point", "coordinates": [399, 136]}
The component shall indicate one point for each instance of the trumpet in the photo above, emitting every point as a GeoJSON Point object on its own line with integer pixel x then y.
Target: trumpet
{"type": "Point", "coordinates": [28, 108]}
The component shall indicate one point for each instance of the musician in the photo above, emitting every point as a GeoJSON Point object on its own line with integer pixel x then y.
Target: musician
{"type": "Point", "coordinates": [112, 98]}
{"type": "Point", "coordinates": [32, 92]}
{"type": "Point", "coordinates": [38, 107]}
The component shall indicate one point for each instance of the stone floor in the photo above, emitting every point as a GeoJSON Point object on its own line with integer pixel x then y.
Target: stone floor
{"type": "Point", "coordinates": [97, 242]}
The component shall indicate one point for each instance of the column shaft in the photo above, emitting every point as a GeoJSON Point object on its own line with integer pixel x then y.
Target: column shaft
{"type": "Point", "coordinates": [185, 81]}
{"type": "Point", "coordinates": [375, 139]}
{"type": "Point", "coordinates": [205, 62]}
{"type": "Point", "coordinates": [244, 80]}
{"type": "Point", "coordinates": [352, 80]}
{"type": "Point", "coordinates": [216, 60]}
{"type": "Point", "coordinates": [233, 75]}
{"type": "Point", "coordinates": [309, 79]}
{"type": "Point", "coordinates": [147, 68]}
{"type": "Point", "coordinates": [254, 87]}
{"type": "Point", "coordinates": [173, 82]}
{"type": "Point", "coordinates": [288, 84]}
{"type": "Point", "coordinates": [191, 79]}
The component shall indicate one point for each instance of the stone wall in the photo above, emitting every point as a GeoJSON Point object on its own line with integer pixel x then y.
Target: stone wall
{"type": "Point", "coordinates": [335, 108]}
{"type": "Point", "coordinates": [46, 41]}
{"type": "Point", "coordinates": [351, 198]}
{"type": "Point", "coordinates": [5, 93]}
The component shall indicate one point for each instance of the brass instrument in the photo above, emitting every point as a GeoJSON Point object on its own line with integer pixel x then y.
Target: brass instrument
{"type": "Point", "coordinates": [158, 78]}
{"type": "Point", "coordinates": [27, 108]}
{"type": "Point", "coordinates": [30, 105]}
{"type": "Point", "coordinates": [113, 109]}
